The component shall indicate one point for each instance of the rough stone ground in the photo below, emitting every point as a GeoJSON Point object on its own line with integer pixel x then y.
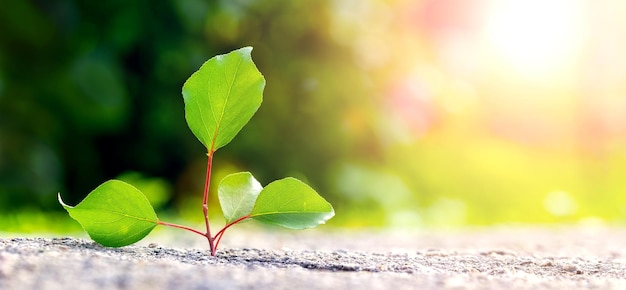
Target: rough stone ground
{"type": "Point", "coordinates": [494, 258]}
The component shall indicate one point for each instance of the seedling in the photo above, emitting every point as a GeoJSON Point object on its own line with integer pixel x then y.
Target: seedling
{"type": "Point", "coordinates": [220, 98]}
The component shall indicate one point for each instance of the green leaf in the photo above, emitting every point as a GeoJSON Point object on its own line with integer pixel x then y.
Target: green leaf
{"type": "Point", "coordinates": [221, 97]}
{"type": "Point", "coordinates": [115, 214]}
{"type": "Point", "coordinates": [237, 193]}
{"type": "Point", "coordinates": [292, 204]}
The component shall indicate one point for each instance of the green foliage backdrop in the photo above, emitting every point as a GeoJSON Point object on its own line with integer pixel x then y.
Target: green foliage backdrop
{"type": "Point", "coordinates": [91, 90]}
{"type": "Point", "coordinates": [399, 112]}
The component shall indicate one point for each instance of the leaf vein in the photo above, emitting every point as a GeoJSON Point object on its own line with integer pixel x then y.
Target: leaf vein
{"type": "Point", "coordinates": [218, 122]}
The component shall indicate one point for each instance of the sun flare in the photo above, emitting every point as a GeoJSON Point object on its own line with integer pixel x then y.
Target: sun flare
{"type": "Point", "coordinates": [535, 37]}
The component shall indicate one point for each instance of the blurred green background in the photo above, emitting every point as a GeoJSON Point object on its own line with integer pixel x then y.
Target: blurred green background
{"type": "Point", "coordinates": [431, 113]}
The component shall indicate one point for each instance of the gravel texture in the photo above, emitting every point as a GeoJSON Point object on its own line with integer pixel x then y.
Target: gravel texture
{"type": "Point", "coordinates": [496, 258]}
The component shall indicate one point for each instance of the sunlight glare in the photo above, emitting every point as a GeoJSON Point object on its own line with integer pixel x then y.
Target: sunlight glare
{"type": "Point", "coordinates": [535, 37]}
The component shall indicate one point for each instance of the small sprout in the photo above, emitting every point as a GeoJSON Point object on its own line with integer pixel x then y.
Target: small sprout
{"type": "Point", "coordinates": [220, 98]}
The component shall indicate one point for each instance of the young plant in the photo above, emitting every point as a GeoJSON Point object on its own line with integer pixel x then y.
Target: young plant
{"type": "Point", "coordinates": [220, 98]}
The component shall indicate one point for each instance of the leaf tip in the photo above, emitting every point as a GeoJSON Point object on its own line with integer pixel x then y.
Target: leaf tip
{"type": "Point", "coordinates": [61, 201]}
{"type": "Point", "coordinates": [246, 52]}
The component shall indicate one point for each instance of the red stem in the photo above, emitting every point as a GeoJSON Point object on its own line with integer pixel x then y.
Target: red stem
{"type": "Point", "coordinates": [181, 227]}
{"type": "Point", "coordinates": [205, 203]}
{"type": "Point", "coordinates": [220, 234]}
{"type": "Point", "coordinates": [213, 241]}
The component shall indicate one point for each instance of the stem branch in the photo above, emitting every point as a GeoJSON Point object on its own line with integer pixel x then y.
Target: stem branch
{"type": "Point", "coordinates": [181, 227]}
{"type": "Point", "coordinates": [219, 234]}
